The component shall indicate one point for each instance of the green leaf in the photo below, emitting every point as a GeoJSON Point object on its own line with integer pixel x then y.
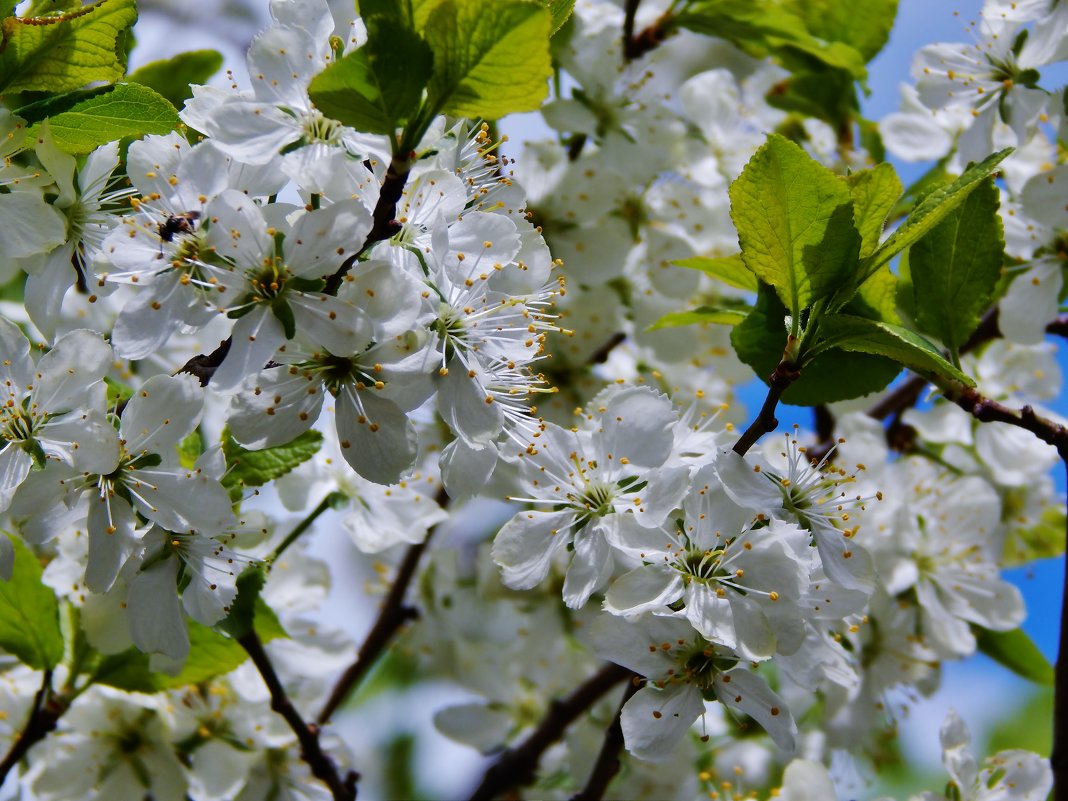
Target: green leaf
{"type": "Point", "coordinates": [117, 391]}
{"type": "Point", "coordinates": [380, 86]}
{"type": "Point", "coordinates": [956, 266]}
{"type": "Point", "coordinates": [7, 7]}
{"type": "Point", "coordinates": [728, 269]}
{"type": "Point", "coordinates": [60, 53]}
{"type": "Point", "coordinates": [877, 298]}
{"type": "Point", "coordinates": [247, 468]}
{"type": "Point", "coordinates": [172, 77]}
{"type": "Point", "coordinates": [1016, 651]}
{"type": "Point", "coordinates": [767, 27]}
{"type": "Point", "coordinates": [825, 93]}
{"type": "Point", "coordinates": [932, 210]}
{"type": "Point", "coordinates": [211, 654]}
{"type": "Point", "coordinates": [1043, 540]}
{"type": "Point", "coordinates": [702, 314]}
{"type": "Point", "coordinates": [559, 12]}
{"type": "Point", "coordinates": [831, 376]}
{"type": "Point", "coordinates": [29, 614]}
{"type": "Point", "coordinates": [190, 449]}
{"type": "Point", "coordinates": [795, 224]}
{"type": "Point", "coordinates": [491, 57]}
{"type": "Point", "coordinates": [867, 31]}
{"type": "Point", "coordinates": [82, 121]}
{"type": "Point", "coordinates": [242, 615]}
{"type": "Point", "coordinates": [909, 349]}
{"type": "Point", "coordinates": [411, 13]}
{"type": "Point", "coordinates": [874, 194]}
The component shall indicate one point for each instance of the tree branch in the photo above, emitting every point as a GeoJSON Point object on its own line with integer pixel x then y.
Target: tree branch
{"type": "Point", "coordinates": [990, 411]}
{"type": "Point", "coordinates": [518, 766]}
{"type": "Point", "coordinates": [600, 356]}
{"type": "Point", "coordinates": [1058, 757]}
{"type": "Point", "coordinates": [986, 410]}
{"type": "Point", "coordinates": [384, 222]}
{"type": "Point", "coordinates": [322, 766]}
{"type": "Point", "coordinates": [637, 45]}
{"type": "Point", "coordinates": [384, 225]}
{"type": "Point", "coordinates": [785, 374]}
{"type": "Point", "coordinates": [44, 714]}
{"type": "Point", "coordinates": [607, 765]}
{"type": "Point", "coordinates": [393, 616]}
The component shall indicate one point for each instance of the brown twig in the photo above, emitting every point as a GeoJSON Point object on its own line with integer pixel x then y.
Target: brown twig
{"type": "Point", "coordinates": [384, 225]}
{"type": "Point", "coordinates": [390, 620]}
{"type": "Point", "coordinates": [607, 765]}
{"type": "Point", "coordinates": [908, 393]}
{"type": "Point", "coordinates": [311, 751]}
{"type": "Point", "coordinates": [990, 411]}
{"type": "Point", "coordinates": [44, 714]}
{"type": "Point", "coordinates": [630, 10]}
{"type": "Point", "coordinates": [518, 766]}
{"type": "Point", "coordinates": [636, 45]}
{"type": "Point", "coordinates": [600, 356]}
{"type": "Point", "coordinates": [986, 410]}
{"type": "Point", "coordinates": [785, 374]}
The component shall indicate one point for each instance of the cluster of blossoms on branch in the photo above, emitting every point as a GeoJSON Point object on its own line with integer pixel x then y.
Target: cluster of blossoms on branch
{"type": "Point", "coordinates": [221, 339]}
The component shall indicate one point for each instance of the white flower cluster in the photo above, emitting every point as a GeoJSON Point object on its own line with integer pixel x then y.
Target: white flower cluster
{"type": "Point", "coordinates": [448, 355]}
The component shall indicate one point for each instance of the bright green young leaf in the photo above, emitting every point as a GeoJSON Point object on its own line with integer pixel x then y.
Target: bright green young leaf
{"type": "Point", "coordinates": [57, 54]}
{"type": "Point", "coordinates": [767, 27]}
{"type": "Point", "coordinates": [702, 314]}
{"type": "Point", "coordinates": [728, 269]}
{"type": "Point", "coordinates": [861, 335]}
{"type": "Point", "coordinates": [560, 12]}
{"type": "Point", "coordinates": [29, 614]}
{"type": "Point", "coordinates": [172, 77]}
{"type": "Point", "coordinates": [1016, 651]}
{"type": "Point", "coordinates": [491, 57]}
{"type": "Point", "coordinates": [874, 194]}
{"type": "Point", "coordinates": [103, 115]}
{"type": "Point", "coordinates": [877, 298]}
{"type": "Point", "coordinates": [932, 210]}
{"type": "Point", "coordinates": [795, 224]}
{"type": "Point", "coordinates": [247, 468]}
{"type": "Point", "coordinates": [1043, 540]}
{"type": "Point", "coordinates": [831, 376]}
{"type": "Point", "coordinates": [866, 30]}
{"type": "Point", "coordinates": [380, 86]}
{"type": "Point", "coordinates": [956, 267]}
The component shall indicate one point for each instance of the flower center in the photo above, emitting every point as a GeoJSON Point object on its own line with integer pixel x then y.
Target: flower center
{"type": "Point", "coordinates": [319, 129]}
